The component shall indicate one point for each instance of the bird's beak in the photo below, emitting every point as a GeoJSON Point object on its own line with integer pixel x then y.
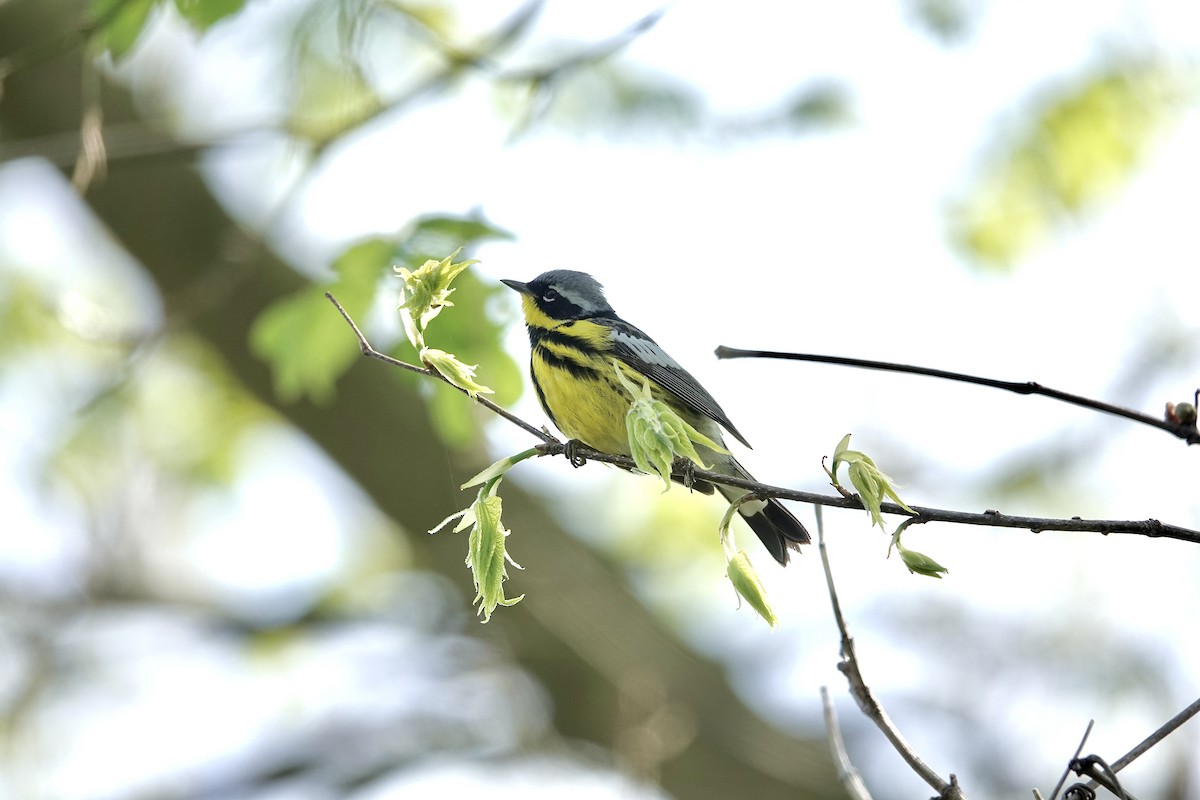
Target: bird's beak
{"type": "Point", "coordinates": [523, 288]}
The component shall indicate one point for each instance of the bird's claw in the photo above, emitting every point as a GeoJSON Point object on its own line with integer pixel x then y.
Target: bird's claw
{"type": "Point", "coordinates": [571, 451]}
{"type": "Point", "coordinates": [686, 468]}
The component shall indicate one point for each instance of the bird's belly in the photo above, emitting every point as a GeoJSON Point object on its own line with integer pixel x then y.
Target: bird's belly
{"type": "Point", "coordinates": [589, 407]}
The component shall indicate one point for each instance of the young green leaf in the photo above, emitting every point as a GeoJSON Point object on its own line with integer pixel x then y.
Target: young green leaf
{"type": "Point", "coordinates": [499, 468]}
{"type": "Point", "coordinates": [657, 434]}
{"type": "Point", "coordinates": [486, 554]}
{"type": "Point", "coordinates": [460, 374]}
{"type": "Point", "coordinates": [426, 292]}
{"type": "Point", "coordinates": [487, 557]}
{"type": "Point", "coordinates": [868, 480]}
{"type": "Point", "coordinates": [748, 586]}
{"type": "Point", "coordinates": [917, 563]}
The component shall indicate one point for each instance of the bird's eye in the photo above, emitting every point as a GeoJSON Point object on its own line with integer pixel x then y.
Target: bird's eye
{"type": "Point", "coordinates": [550, 296]}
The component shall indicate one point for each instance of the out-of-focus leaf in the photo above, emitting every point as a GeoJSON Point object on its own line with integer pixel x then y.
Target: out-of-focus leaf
{"type": "Point", "coordinates": [305, 340]}
{"type": "Point", "coordinates": [437, 18]}
{"type": "Point", "coordinates": [601, 95]}
{"type": "Point", "coordinates": [203, 14]}
{"type": "Point", "coordinates": [331, 98]}
{"type": "Point", "coordinates": [821, 104]}
{"type": "Point", "coordinates": [121, 22]}
{"type": "Point", "coordinates": [1081, 146]}
{"type": "Point", "coordinates": [431, 237]}
{"type": "Point", "coordinates": [948, 20]}
{"type": "Point", "coordinates": [183, 413]}
{"type": "Point", "coordinates": [26, 317]}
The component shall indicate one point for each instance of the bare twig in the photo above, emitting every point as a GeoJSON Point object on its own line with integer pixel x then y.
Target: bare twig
{"type": "Point", "coordinates": [1189, 433]}
{"type": "Point", "coordinates": [866, 700]}
{"type": "Point", "coordinates": [91, 162]}
{"type": "Point", "coordinates": [1067, 772]}
{"type": "Point", "coordinates": [851, 780]}
{"type": "Point", "coordinates": [1163, 732]}
{"type": "Point", "coordinates": [552, 446]}
{"type": "Point", "coordinates": [1101, 774]}
{"type": "Point", "coordinates": [1168, 727]}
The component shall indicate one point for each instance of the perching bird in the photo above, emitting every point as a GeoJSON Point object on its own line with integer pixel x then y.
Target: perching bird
{"type": "Point", "coordinates": [574, 335]}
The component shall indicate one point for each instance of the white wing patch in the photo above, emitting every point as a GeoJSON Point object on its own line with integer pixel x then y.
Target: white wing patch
{"type": "Point", "coordinates": [645, 349]}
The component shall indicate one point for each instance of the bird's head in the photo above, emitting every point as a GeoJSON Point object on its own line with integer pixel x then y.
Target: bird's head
{"type": "Point", "coordinates": [561, 295]}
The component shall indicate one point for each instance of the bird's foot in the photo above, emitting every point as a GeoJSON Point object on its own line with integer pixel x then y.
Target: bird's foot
{"type": "Point", "coordinates": [571, 451]}
{"type": "Point", "coordinates": [685, 468]}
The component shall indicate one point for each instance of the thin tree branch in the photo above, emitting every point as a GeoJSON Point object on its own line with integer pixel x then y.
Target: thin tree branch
{"type": "Point", "coordinates": [131, 142]}
{"type": "Point", "coordinates": [371, 352]}
{"type": "Point", "coordinates": [1168, 727]}
{"type": "Point", "coordinates": [1150, 741]}
{"type": "Point", "coordinates": [851, 780]}
{"type": "Point", "coordinates": [1101, 774]}
{"type": "Point", "coordinates": [1067, 772]}
{"type": "Point", "coordinates": [552, 446]}
{"type": "Point", "coordinates": [1189, 433]}
{"type": "Point", "coordinates": [866, 700]}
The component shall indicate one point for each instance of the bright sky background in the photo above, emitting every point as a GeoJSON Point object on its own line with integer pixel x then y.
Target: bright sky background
{"type": "Point", "coordinates": [832, 243]}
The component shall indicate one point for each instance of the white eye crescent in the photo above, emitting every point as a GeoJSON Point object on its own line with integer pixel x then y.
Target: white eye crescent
{"type": "Point", "coordinates": [550, 296]}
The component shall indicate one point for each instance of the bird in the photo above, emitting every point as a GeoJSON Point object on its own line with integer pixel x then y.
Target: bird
{"type": "Point", "coordinates": [574, 335]}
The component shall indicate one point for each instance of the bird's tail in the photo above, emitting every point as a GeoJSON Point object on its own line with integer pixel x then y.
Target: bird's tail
{"type": "Point", "coordinates": [775, 526]}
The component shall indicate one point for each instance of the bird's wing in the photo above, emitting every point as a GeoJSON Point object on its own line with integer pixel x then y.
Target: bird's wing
{"type": "Point", "coordinates": [635, 348]}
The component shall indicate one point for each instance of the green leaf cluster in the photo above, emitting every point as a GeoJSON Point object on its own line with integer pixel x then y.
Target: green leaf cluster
{"type": "Point", "coordinates": [657, 435]}
{"type": "Point", "coordinates": [868, 480]}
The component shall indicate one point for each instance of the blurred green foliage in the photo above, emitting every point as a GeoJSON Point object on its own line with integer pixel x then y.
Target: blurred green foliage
{"type": "Point", "coordinates": [1081, 144]}
{"type": "Point", "coordinates": [120, 22]}
{"type": "Point", "coordinates": [305, 340]}
{"type": "Point", "coordinates": [330, 98]}
{"type": "Point", "coordinates": [202, 14]}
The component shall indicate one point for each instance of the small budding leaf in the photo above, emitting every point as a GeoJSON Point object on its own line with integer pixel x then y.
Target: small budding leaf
{"type": "Point", "coordinates": [499, 468]}
{"type": "Point", "coordinates": [918, 563]}
{"type": "Point", "coordinates": [426, 292]}
{"type": "Point", "coordinates": [460, 374]}
{"type": "Point", "coordinates": [748, 586]}
{"type": "Point", "coordinates": [872, 485]}
{"type": "Point", "coordinates": [657, 434]}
